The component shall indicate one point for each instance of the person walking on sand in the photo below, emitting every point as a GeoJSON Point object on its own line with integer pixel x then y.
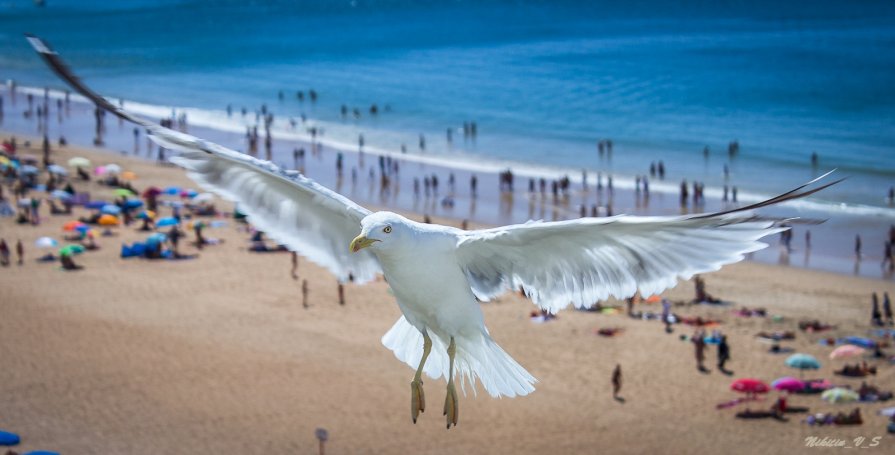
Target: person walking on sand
{"type": "Point", "coordinates": [294, 265]}
{"type": "Point", "coordinates": [341, 294]}
{"type": "Point", "coordinates": [699, 349]}
{"type": "Point", "coordinates": [616, 381]}
{"type": "Point", "coordinates": [858, 247]}
{"type": "Point", "coordinates": [723, 354]}
{"type": "Point", "coordinates": [876, 318]}
{"type": "Point", "coordinates": [20, 252]}
{"type": "Point", "coordinates": [887, 308]}
{"type": "Point", "coordinates": [4, 253]}
{"type": "Point", "coordinates": [304, 293]}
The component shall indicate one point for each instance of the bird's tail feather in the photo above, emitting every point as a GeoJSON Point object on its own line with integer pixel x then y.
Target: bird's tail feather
{"type": "Point", "coordinates": [478, 358]}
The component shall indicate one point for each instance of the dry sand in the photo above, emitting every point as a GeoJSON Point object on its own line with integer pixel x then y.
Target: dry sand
{"type": "Point", "coordinates": [217, 355]}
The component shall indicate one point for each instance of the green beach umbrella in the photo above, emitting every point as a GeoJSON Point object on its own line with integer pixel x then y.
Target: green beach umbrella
{"type": "Point", "coordinates": [124, 192]}
{"type": "Point", "coordinates": [840, 395]}
{"type": "Point", "coordinates": [79, 161]}
{"type": "Point", "coordinates": [69, 250]}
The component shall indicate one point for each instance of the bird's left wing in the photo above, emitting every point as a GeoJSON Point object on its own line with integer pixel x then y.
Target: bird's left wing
{"type": "Point", "coordinates": [586, 260]}
{"type": "Point", "coordinates": [290, 208]}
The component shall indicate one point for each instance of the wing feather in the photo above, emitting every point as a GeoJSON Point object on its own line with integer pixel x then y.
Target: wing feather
{"type": "Point", "coordinates": [584, 261]}
{"type": "Point", "coordinates": [290, 208]}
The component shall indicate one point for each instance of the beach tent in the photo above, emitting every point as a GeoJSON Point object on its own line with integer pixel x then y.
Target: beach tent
{"type": "Point", "coordinates": [847, 350]}
{"type": "Point", "coordinates": [840, 395]}
{"type": "Point", "coordinates": [79, 161]}
{"type": "Point", "coordinates": [8, 439]}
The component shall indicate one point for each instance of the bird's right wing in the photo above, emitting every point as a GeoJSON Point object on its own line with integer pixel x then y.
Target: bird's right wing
{"type": "Point", "coordinates": [290, 208]}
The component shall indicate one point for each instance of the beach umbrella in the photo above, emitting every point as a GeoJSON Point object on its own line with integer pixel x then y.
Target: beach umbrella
{"type": "Point", "coordinates": [110, 209]}
{"type": "Point", "coordinates": [749, 386]}
{"type": "Point", "coordinates": [156, 238]}
{"type": "Point", "coordinates": [888, 412]}
{"type": "Point", "coordinates": [113, 169]}
{"type": "Point", "coordinates": [189, 193]}
{"type": "Point", "coordinates": [108, 220]}
{"type": "Point", "coordinates": [788, 384]}
{"type": "Point", "coordinates": [123, 192]}
{"type": "Point", "coordinates": [172, 203]}
{"type": "Point", "coordinates": [847, 350]}
{"type": "Point", "coordinates": [802, 362]}
{"type": "Point", "coordinates": [29, 169]}
{"type": "Point", "coordinates": [128, 175]}
{"type": "Point", "coordinates": [167, 221]}
{"type": "Point", "coordinates": [79, 161]}
{"type": "Point", "coordinates": [133, 203]}
{"type": "Point", "coordinates": [99, 170]}
{"type": "Point", "coordinates": [5, 161]}
{"type": "Point", "coordinates": [24, 202]}
{"type": "Point", "coordinates": [840, 395]}
{"type": "Point", "coordinates": [72, 225]}
{"type": "Point", "coordinates": [172, 191]}
{"type": "Point", "coordinates": [146, 214]}
{"type": "Point", "coordinates": [71, 250]}
{"type": "Point", "coordinates": [60, 194]}
{"type": "Point", "coordinates": [204, 197]}
{"type": "Point", "coordinates": [46, 242]}
{"type": "Point", "coordinates": [218, 224]}
{"type": "Point", "coordinates": [860, 341]}
{"type": "Point", "coordinates": [152, 191]}
{"type": "Point", "coordinates": [57, 169]}
{"type": "Point", "coordinates": [95, 205]}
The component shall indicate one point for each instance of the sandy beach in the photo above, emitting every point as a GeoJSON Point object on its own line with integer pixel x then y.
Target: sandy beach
{"type": "Point", "coordinates": [217, 355]}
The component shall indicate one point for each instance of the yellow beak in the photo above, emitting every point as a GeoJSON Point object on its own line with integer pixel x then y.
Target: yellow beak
{"type": "Point", "coordinates": [360, 242]}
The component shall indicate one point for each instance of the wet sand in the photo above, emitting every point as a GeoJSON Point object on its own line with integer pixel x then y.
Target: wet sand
{"type": "Point", "coordinates": [217, 355]}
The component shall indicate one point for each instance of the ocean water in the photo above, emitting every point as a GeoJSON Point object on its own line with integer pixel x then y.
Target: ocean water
{"type": "Point", "coordinates": [542, 80]}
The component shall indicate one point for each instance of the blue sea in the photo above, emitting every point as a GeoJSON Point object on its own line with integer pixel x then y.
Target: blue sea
{"type": "Point", "coordinates": [542, 80]}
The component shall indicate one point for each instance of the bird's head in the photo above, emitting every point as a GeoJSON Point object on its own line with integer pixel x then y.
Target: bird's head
{"type": "Point", "coordinates": [381, 230]}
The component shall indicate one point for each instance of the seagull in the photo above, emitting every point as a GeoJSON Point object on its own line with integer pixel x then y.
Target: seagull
{"type": "Point", "coordinates": [438, 274]}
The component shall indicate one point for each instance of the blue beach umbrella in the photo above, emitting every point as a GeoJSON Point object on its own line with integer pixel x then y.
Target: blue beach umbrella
{"type": "Point", "coordinates": [59, 194]}
{"type": "Point", "coordinates": [29, 169]}
{"type": "Point", "coordinates": [158, 237]}
{"type": "Point", "coordinates": [95, 204]}
{"type": "Point", "coordinates": [172, 191]}
{"type": "Point", "coordinates": [803, 362]}
{"type": "Point", "coordinates": [133, 203]}
{"type": "Point", "coordinates": [8, 439]}
{"type": "Point", "coordinates": [57, 169]}
{"type": "Point", "coordinates": [168, 221]}
{"type": "Point", "coordinates": [110, 209]}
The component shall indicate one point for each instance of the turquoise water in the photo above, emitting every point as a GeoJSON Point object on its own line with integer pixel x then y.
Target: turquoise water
{"type": "Point", "coordinates": [542, 80]}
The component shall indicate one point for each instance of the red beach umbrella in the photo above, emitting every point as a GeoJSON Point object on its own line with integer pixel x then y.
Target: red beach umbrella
{"type": "Point", "coordinates": [749, 385]}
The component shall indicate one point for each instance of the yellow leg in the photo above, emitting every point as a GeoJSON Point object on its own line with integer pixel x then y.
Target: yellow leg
{"type": "Point", "coordinates": [417, 396]}
{"type": "Point", "coordinates": [451, 409]}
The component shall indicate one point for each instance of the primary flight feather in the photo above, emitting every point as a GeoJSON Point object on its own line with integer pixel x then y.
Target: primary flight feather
{"type": "Point", "coordinates": [437, 273]}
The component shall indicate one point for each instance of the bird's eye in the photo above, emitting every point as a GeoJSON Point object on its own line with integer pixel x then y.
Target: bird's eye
{"type": "Point", "coordinates": [387, 229]}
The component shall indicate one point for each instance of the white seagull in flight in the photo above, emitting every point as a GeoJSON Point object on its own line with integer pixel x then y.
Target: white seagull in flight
{"type": "Point", "coordinates": [438, 272]}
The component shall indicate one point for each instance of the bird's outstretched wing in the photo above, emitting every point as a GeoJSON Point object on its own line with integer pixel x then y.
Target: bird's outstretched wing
{"type": "Point", "coordinates": [587, 260]}
{"type": "Point", "coordinates": [292, 209]}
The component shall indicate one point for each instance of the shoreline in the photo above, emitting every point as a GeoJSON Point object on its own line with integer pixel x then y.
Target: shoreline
{"type": "Point", "coordinates": [831, 242]}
